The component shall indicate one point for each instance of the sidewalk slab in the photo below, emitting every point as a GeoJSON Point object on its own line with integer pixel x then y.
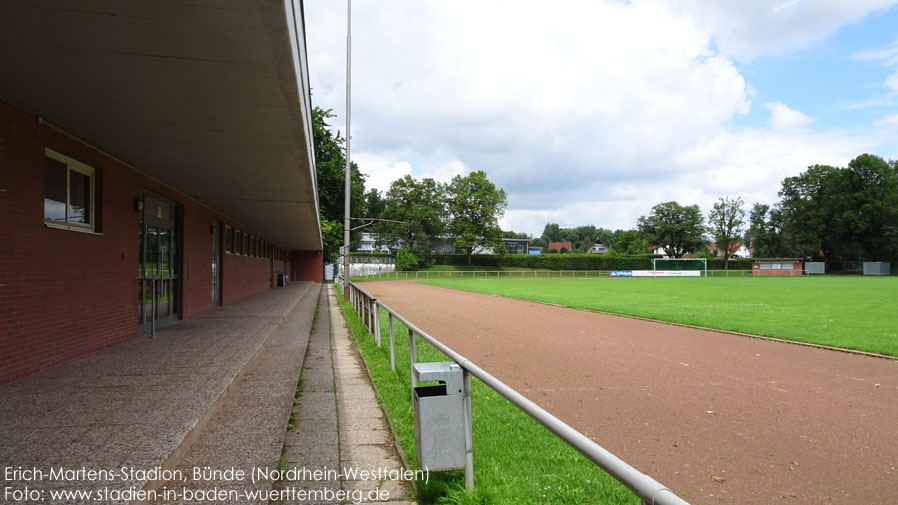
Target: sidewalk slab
{"type": "Point", "coordinates": [144, 402]}
{"type": "Point", "coordinates": [341, 426]}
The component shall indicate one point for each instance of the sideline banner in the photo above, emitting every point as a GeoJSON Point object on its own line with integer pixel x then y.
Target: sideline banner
{"type": "Point", "coordinates": [656, 273]}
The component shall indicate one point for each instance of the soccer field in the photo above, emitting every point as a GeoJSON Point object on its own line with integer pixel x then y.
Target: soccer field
{"type": "Point", "coordinates": [848, 312]}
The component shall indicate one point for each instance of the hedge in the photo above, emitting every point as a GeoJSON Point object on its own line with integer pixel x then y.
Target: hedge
{"type": "Point", "coordinates": [573, 261]}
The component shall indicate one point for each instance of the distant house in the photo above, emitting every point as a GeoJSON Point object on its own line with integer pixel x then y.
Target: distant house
{"type": "Point", "coordinates": [737, 250]}
{"type": "Point", "coordinates": [777, 267]}
{"type": "Point", "coordinates": [556, 246]}
{"type": "Point", "coordinates": [369, 243]}
{"type": "Point", "coordinates": [598, 247]}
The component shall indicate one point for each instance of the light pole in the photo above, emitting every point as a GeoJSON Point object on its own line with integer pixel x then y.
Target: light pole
{"type": "Point", "coordinates": [348, 138]}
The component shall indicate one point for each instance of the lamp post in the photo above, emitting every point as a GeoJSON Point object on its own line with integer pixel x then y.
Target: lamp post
{"type": "Point", "coordinates": [348, 138]}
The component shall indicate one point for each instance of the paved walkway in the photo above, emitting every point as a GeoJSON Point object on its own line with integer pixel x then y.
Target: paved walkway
{"type": "Point", "coordinates": [339, 425]}
{"type": "Point", "coordinates": [213, 395]}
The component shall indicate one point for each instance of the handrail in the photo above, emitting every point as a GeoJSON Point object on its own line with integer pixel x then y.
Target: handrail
{"type": "Point", "coordinates": [648, 489]}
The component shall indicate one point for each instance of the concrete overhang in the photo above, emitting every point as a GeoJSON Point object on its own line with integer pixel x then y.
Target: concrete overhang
{"type": "Point", "coordinates": [210, 97]}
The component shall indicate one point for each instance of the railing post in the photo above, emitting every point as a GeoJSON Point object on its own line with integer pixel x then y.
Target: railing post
{"type": "Point", "coordinates": [411, 361]}
{"type": "Point", "coordinates": [469, 433]}
{"type": "Point", "coordinates": [392, 346]}
{"type": "Point", "coordinates": [377, 322]}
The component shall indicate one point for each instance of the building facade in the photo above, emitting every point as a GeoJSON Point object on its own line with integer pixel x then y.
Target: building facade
{"type": "Point", "coordinates": [156, 163]}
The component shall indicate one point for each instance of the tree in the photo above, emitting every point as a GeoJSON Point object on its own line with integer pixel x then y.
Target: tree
{"type": "Point", "coordinates": [475, 205]}
{"type": "Point", "coordinates": [629, 242]}
{"type": "Point", "coordinates": [374, 203]}
{"type": "Point", "coordinates": [725, 223]}
{"type": "Point", "coordinates": [419, 207]}
{"type": "Point", "coordinates": [675, 228]}
{"type": "Point", "coordinates": [843, 213]}
{"type": "Point", "coordinates": [551, 233]}
{"type": "Point", "coordinates": [765, 232]}
{"type": "Point", "coordinates": [330, 166]}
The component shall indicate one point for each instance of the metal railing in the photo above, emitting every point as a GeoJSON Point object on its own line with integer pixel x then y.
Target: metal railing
{"type": "Point", "coordinates": [650, 491]}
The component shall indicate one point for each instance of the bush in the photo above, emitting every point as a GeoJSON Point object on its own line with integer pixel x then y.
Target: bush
{"type": "Point", "coordinates": [572, 261]}
{"type": "Point", "coordinates": [406, 261]}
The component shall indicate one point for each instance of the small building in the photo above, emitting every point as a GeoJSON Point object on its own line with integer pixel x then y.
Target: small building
{"type": "Point", "coordinates": [516, 245]}
{"type": "Point", "coordinates": [557, 246]}
{"type": "Point", "coordinates": [777, 267]}
{"type": "Point", "coordinates": [598, 247]}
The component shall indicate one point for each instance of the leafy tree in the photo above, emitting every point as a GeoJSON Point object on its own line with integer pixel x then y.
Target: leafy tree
{"type": "Point", "coordinates": [676, 228]}
{"type": "Point", "coordinates": [330, 165]}
{"type": "Point", "coordinates": [332, 236]}
{"type": "Point", "coordinates": [842, 213]}
{"type": "Point", "coordinates": [406, 261]}
{"type": "Point", "coordinates": [475, 206]}
{"type": "Point", "coordinates": [514, 234]}
{"type": "Point", "coordinates": [552, 233]}
{"type": "Point", "coordinates": [629, 242]}
{"type": "Point", "coordinates": [419, 207]}
{"type": "Point", "coordinates": [374, 203]}
{"type": "Point", "coordinates": [725, 223]}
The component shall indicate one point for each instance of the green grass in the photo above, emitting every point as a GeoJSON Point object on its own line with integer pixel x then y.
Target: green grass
{"type": "Point", "coordinates": [847, 312]}
{"type": "Point", "coordinates": [516, 460]}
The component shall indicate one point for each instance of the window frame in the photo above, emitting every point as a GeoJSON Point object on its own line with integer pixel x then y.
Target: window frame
{"type": "Point", "coordinates": [83, 169]}
{"type": "Point", "coordinates": [228, 240]}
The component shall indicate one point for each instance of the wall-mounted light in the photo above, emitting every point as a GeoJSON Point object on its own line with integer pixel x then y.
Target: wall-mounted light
{"type": "Point", "coordinates": [138, 204]}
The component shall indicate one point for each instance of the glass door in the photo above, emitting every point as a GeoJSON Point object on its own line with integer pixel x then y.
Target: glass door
{"type": "Point", "coordinates": [216, 264]}
{"type": "Point", "coordinates": [157, 294]}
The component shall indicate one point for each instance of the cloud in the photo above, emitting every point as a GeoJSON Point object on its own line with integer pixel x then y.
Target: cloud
{"type": "Point", "coordinates": [746, 30]}
{"type": "Point", "coordinates": [892, 82]}
{"type": "Point", "coordinates": [585, 112]}
{"type": "Point", "coordinates": [784, 118]}
{"type": "Point", "coordinates": [380, 170]}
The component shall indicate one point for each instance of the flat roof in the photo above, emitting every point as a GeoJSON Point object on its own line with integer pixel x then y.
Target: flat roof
{"type": "Point", "coordinates": [210, 98]}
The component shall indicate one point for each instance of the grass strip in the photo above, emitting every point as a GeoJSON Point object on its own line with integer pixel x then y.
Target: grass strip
{"type": "Point", "coordinates": [516, 460]}
{"type": "Point", "coordinates": [847, 312]}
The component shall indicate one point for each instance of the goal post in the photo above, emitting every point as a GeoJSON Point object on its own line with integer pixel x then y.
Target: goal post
{"type": "Point", "coordinates": [681, 264]}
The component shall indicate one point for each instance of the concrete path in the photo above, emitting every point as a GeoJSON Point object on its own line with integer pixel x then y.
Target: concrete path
{"type": "Point", "coordinates": [144, 405]}
{"type": "Point", "coordinates": [340, 428]}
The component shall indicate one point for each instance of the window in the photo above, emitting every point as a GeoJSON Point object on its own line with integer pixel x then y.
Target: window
{"type": "Point", "coordinates": [246, 244]}
{"type": "Point", "coordinates": [68, 192]}
{"type": "Point", "coordinates": [228, 245]}
{"type": "Point", "coordinates": [238, 243]}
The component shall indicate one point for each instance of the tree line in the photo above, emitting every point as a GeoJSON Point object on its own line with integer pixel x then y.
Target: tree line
{"type": "Point", "coordinates": [826, 213]}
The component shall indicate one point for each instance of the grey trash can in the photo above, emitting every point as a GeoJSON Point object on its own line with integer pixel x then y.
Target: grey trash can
{"type": "Point", "coordinates": [439, 417]}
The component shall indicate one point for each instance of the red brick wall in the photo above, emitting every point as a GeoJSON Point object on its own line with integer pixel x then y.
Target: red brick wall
{"type": "Point", "coordinates": [796, 269]}
{"type": "Point", "coordinates": [64, 294]}
{"type": "Point", "coordinates": [307, 266]}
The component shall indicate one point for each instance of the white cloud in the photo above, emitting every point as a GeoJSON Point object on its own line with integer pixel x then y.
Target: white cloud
{"type": "Point", "coordinates": [892, 82]}
{"type": "Point", "coordinates": [585, 112]}
{"type": "Point", "coordinates": [443, 171]}
{"type": "Point", "coordinates": [381, 170]}
{"type": "Point", "coordinates": [784, 118]}
{"type": "Point", "coordinates": [746, 30]}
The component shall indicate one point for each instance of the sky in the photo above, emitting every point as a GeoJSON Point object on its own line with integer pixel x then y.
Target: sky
{"type": "Point", "coordinates": [593, 111]}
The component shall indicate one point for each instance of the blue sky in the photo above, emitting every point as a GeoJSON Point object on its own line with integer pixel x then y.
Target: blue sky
{"type": "Point", "coordinates": [827, 80]}
{"type": "Point", "coordinates": [593, 111]}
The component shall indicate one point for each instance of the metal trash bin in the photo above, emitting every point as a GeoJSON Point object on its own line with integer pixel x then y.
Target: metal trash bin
{"type": "Point", "coordinates": [439, 417]}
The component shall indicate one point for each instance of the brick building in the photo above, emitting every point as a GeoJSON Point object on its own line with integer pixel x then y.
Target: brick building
{"type": "Point", "coordinates": [156, 162]}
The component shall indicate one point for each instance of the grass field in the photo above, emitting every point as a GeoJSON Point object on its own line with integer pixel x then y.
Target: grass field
{"type": "Point", "coordinates": [848, 312]}
{"type": "Point", "coordinates": [516, 460]}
